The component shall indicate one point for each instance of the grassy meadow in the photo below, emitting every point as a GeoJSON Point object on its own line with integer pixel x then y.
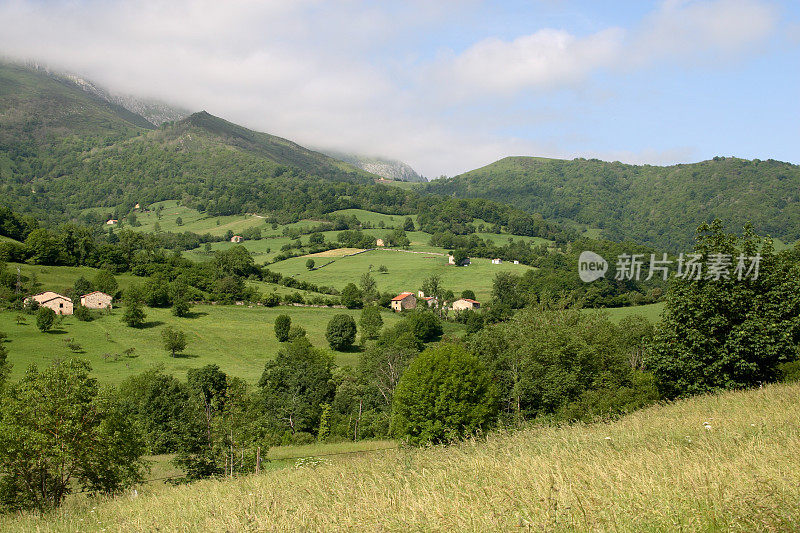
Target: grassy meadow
{"type": "Point", "coordinates": [61, 278]}
{"type": "Point", "coordinates": [237, 338]}
{"type": "Point", "coordinates": [193, 220]}
{"type": "Point", "coordinates": [652, 312]}
{"type": "Point", "coordinates": [724, 462]}
{"type": "Point", "coordinates": [406, 271]}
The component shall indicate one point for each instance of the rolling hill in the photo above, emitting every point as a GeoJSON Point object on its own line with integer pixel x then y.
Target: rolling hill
{"type": "Point", "coordinates": [659, 206]}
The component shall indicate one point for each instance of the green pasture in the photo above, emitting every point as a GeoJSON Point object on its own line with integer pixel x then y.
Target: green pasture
{"type": "Point", "coordinates": [239, 339]}
{"type": "Point", "coordinates": [650, 311]}
{"type": "Point", "coordinates": [406, 271]}
{"type": "Point", "coordinates": [193, 220]}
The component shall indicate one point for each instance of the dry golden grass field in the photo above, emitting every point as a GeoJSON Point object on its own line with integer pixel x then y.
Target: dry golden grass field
{"type": "Point", "coordinates": [728, 462]}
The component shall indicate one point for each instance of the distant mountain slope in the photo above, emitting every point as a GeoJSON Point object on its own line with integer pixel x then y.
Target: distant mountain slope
{"type": "Point", "coordinates": [37, 109]}
{"type": "Point", "coordinates": [660, 206]}
{"type": "Point", "coordinates": [154, 111]}
{"type": "Point", "coordinates": [276, 149]}
{"type": "Point", "coordinates": [63, 149]}
{"type": "Point", "coordinates": [390, 169]}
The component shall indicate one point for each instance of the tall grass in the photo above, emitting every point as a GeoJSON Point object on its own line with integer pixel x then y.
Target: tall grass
{"type": "Point", "coordinates": [725, 462]}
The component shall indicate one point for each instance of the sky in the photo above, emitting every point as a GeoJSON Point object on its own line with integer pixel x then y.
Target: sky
{"type": "Point", "coordinates": [448, 86]}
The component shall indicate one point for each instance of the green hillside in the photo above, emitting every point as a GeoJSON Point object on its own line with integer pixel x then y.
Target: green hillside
{"type": "Point", "coordinates": [659, 469]}
{"type": "Point", "coordinates": [406, 271]}
{"type": "Point", "coordinates": [660, 206]}
{"type": "Point", "coordinates": [63, 150]}
{"type": "Point", "coordinates": [239, 339]}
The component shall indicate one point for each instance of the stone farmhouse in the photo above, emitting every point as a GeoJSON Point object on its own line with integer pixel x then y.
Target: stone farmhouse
{"type": "Point", "coordinates": [403, 301]}
{"type": "Point", "coordinates": [430, 300]}
{"type": "Point", "coordinates": [237, 238]}
{"type": "Point", "coordinates": [465, 303]}
{"type": "Point", "coordinates": [97, 300]}
{"type": "Point", "coordinates": [57, 302]}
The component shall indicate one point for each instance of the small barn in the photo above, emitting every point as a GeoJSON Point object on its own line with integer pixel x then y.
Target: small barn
{"type": "Point", "coordinates": [497, 261]}
{"type": "Point", "coordinates": [403, 301]}
{"type": "Point", "coordinates": [112, 222]}
{"type": "Point", "coordinates": [466, 303]}
{"type": "Point", "coordinates": [237, 238]}
{"type": "Point", "coordinates": [379, 242]}
{"type": "Point", "coordinates": [97, 300]}
{"type": "Point", "coordinates": [57, 302]}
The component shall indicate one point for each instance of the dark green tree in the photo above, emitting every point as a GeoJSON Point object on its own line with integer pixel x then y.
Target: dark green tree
{"type": "Point", "coordinates": [83, 313]}
{"type": "Point", "coordinates": [370, 322]}
{"type": "Point", "coordinates": [351, 296]}
{"type": "Point", "coordinates": [408, 224]}
{"type": "Point", "coordinates": [105, 282]}
{"type": "Point", "coordinates": [58, 432]}
{"type": "Point", "coordinates": [728, 333]}
{"type": "Point", "coordinates": [341, 332]}
{"type": "Point", "coordinates": [283, 325]}
{"type": "Point", "coordinates": [82, 286]}
{"type": "Point", "coordinates": [296, 384]}
{"type": "Point", "coordinates": [444, 395]}
{"type": "Point", "coordinates": [310, 264]}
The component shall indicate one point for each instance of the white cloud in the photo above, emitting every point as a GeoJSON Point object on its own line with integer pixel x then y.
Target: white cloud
{"type": "Point", "coordinates": [707, 30]}
{"type": "Point", "coordinates": [548, 58]}
{"type": "Point", "coordinates": [341, 74]}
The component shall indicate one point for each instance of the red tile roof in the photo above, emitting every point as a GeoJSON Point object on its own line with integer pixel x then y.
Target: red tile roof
{"type": "Point", "coordinates": [402, 296]}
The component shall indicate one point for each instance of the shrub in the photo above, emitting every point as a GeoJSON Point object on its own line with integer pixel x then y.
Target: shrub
{"type": "Point", "coordinates": [45, 318]}
{"type": "Point", "coordinates": [271, 300]}
{"type": "Point", "coordinates": [283, 324]}
{"type": "Point", "coordinates": [83, 314]}
{"type": "Point", "coordinates": [789, 372]}
{"type": "Point", "coordinates": [445, 394]}
{"type": "Point", "coordinates": [341, 332]}
{"type": "Point", "coordinates": [295, 332]}
{"type": "Point", "coordinates": [310, 264]}
{"type": "Point", "coordinates": [424, 325]}
{"type": "Point", "coordinates": [181, 307]}
{"type": "Point", "coordinates": [134, 315]}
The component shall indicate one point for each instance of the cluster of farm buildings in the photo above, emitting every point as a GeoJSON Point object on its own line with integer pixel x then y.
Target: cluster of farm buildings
{"type": "Point", "coordinates": [407, 300]}
{"type": "Point", "coordinates": [63, 305]}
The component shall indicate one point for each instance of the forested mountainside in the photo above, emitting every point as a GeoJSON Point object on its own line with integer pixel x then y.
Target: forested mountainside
{"type": "Point", "coordinates": [659, 206]}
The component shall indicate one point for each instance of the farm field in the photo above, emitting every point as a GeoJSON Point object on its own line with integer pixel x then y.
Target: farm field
{"type": "Point", "coordinates": [658, 469]}
{"type": "Point", "coordinates": [650, 311]}
{"type": "Point", "coordinates": [406, 271]}
{"type": "Point", "coordinates": [237, 338]}
{"type": "Point", "coordinates": [193, 220]}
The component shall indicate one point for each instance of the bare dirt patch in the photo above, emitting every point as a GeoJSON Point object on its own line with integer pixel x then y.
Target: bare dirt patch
{"type": "Point", "coordinates": [336, 252]}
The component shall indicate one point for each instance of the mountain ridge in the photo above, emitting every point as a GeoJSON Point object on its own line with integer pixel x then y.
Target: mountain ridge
{"type": "Point", "coordinates": [654, 205]}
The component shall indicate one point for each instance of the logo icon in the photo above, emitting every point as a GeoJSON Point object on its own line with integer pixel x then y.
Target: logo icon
{"type": "Point", "coordinates": [591, 266]}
